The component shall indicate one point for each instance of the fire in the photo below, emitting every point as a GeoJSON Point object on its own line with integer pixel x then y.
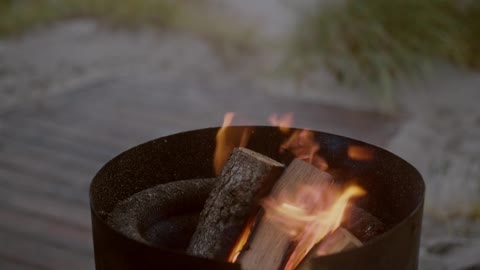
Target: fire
{"type": "Point", "coordinates": [302, 145]}
{"type": "Point", "coordinates": [226, 140]}
{"type": "Point", "coordinates": [309, 214]}
{"type": "Point", "coordinates": [283, 122]}
{"type": "Point", "coordinates": [242, 240]}
{"type": "Point", "coordinates": [357, 152]}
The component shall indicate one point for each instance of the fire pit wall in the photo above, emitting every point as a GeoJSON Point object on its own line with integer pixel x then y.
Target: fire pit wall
{"type": "Point", "coordinates": [395, 195]}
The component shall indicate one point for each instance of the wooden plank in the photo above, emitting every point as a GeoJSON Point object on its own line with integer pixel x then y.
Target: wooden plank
{"type": "Point", "coordinates": [142, 121]}
{"type": "Point", "coordinates": [74, 130]}
{"type": "Point", "coordinates": [45, 256]}
{"type": "Point", "coordinates": [55, 142]}
{"type": "Point", "coordinates": [46, 164]}
{"type": "Point", "coordinates": [51, 173]}
{"type": "Point", "coordinates": [45, 230]}
{"type": "Point", "coordinates": [140, 110]}
{"type": "Point", "coordinates": [118, 129]}
{"type": "Point", "coordinates": [22, 180]}
{"type": "Point", "coordinates": [75, 215]}
{"type": "Point", "coordinates": [45, 160]}
{"type": "Point", "coordinates": [7, 263]}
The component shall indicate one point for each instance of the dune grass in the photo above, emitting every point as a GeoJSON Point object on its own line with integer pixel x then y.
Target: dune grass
{"type": "Point", "coordinates": [372, 43]}
{"type": "Point", "coordinates": [17, 16]}
{"type": "Point", "coordinates": [229, 37]}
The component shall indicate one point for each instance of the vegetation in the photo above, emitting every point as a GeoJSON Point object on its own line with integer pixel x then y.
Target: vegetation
{"type": "Point", "coordinates": [370, 43]}
{"type": "Point", "coordinates": [17, 16]}
{"type": "Point", "coordinates": [374, 42]}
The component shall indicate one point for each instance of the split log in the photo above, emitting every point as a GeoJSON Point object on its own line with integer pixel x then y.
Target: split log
{"type": "Point", "coordinates": [337, 241]}
{"type": "Point", "coordinates": [269, 246]}
{"type": "Point", "coordinates": [138, 213]}
{"type": "Point", "coordinates": [359, 228]}
{"type": "Point", "coordinates": [246, 178]}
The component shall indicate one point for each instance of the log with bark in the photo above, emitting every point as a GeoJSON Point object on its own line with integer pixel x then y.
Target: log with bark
{"type": "Point", "coordinates": [246, 178]}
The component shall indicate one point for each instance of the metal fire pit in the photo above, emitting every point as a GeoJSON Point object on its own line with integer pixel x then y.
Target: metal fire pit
{"type": "Point", "coordinates": [395, 195]}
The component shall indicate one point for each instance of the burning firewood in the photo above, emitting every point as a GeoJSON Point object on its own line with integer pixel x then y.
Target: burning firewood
{"type": "Point", "coordinates": [337, 241]}
{"type": "Point", "coordinates": [246, 178]}
{"type": "Point", "coordinates": [145, 208]}
{"type": "Point", "coordinates": [359, 228]}
{"type": "Point", "coordinates": [167, 214]}
{"type": "Point", "coordinates": [340, 240]}
{"type": "Point", "coordinates": [270, 245]}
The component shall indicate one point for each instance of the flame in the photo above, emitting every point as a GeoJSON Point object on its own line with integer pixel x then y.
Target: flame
{"type": "Point", "coordinates": [242, 240]}
{"type": "Point", "coordinates": [226, 140]}
{"type": "Point", "coordinates": [302, 145]}
{"type": "Point", "coordinates": [283, 122]}
{"type": "Point", "coordinates": [309, 214]}
{"type": "Point", "coordinates": [339, 240]}
{"type": "Point", "coordinates": [357, 152]}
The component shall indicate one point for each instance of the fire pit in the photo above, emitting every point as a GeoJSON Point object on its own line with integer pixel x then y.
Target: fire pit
{"type": "Point", "coordinates": [395, 193]}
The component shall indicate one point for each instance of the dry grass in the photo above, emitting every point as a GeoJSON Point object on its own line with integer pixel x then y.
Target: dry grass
{"type": "Point", "coordinates": [228, 37]}
{"type": "Point", "coordinates": [372, 43]}
{"type": "Point", "coordinates": [17, 16]}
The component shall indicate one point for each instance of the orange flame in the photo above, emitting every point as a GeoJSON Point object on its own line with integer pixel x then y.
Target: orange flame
{"type": "Point", "coordinates": [226, 140]}
{"type": "Point", "coordinates": [357, 152]}
{"type": "Point", "coordinates": [283, 122]}
{"type": "Point", "coordinates": [242, 240]}
{"type": "Point", "coordinates": [308, 215]}
{"type": "Point", "coordinates": [302, 145]}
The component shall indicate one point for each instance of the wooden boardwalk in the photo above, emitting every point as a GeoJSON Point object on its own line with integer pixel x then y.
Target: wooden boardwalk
{"type": "Point", "coordinates": [49, 152]}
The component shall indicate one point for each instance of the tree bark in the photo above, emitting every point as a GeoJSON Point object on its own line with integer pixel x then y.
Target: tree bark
{"type": "Point", "coordinates": [246, 178]}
